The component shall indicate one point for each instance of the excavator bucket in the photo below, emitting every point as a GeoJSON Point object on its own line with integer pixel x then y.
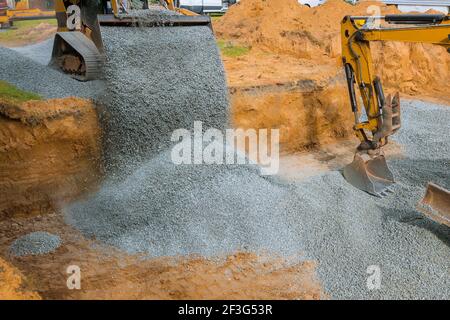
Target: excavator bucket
{"type": "Point", "coordinates": [370, 173]}
{"type": "Point", "coordinates": [78, 47]}
{"type": "Point", "coordinates": [76, 55]}
{"type": "Point", "coordinates": [436, 204]}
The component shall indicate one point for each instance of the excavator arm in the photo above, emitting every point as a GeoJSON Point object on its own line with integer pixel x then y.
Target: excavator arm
{"type": "Point", "coordinates": [357, 34]}
{"type": "Point", "coordinates": [381, 119]}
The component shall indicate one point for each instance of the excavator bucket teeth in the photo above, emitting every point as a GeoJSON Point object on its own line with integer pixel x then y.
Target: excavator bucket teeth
{"type": "Point", "coordinates": [436, 204]}
{"type": "Point", "coordinates": [370, 174]}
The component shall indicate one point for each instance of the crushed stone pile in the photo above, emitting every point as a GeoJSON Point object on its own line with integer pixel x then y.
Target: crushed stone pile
{"type": "Point", "coordinates": [154, 16]}
{"type": "Point", "coordinates": [40, 52]}
{"type": "Point", "coordinates": [35, 243]}
{"type": "Point", "coordinates": [287, 28]}
{"type": "Point", "coordinates": [352, 230]}
{"type": "Point", "coordinates": [179, 79]}
{"type": "Point", "coordinates": [163, 209]}
{"type": "Point", "coordinates": [167, 210]}
{"type": "Point", "coordinates": [153, 11]}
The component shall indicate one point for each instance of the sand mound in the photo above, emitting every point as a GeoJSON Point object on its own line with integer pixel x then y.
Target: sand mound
{"type": "Point", "coordinates": [289, 28]}
{"type": "Point", "coordinates": [314, 33]}
{"type": "Point", "coordinates": [49, 152]}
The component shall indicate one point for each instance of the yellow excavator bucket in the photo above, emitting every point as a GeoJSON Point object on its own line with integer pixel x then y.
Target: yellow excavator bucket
{"type": "Point", "coordinates": [436, 204]}
{"type": "Point", "coordinates": [369, 170]}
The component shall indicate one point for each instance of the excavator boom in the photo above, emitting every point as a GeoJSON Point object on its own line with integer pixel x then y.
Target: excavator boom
{"type": "Point", "coordinates": [356, 33]}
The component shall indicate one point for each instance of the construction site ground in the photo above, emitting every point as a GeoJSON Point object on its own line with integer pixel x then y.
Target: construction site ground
{"type": "Point", "coordinates": [283, 71]}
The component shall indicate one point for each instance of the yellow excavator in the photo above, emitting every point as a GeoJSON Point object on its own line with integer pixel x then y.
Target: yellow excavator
{"type": "Point", "coordinates": [78, 47]}
{"type": "Point", "coordinates": [369, 170]}
{"type": "Point", "coordinates": [21, 11]}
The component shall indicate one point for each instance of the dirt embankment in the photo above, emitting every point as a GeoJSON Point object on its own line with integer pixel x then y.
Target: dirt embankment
{"type": "Point", "coordinates": [305, 119]}
{"type": "Point", "coordinates": [292, 45]}
{"type": "Point", "coordinates": [49, 153]}
{"type": "Point", "coordinates": [237, 276]}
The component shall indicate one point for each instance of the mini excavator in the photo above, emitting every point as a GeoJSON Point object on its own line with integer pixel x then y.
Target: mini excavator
{"type": "Point", "coordinates": [78, 47]}
{"type": "Point", "coordinates": [21, 12]}
{"type": "Point", "coordinates": [369, 170]}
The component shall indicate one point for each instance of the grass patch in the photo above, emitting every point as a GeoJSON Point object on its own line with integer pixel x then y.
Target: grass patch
{"type": "Point", "coordinates": [12, 93]}
{"type": "Point", "coordinates": [33, 23]}
{"type": "Point", "coordinates": [228, 49]}
{"type": "Point", "coordinates": [216, 17]}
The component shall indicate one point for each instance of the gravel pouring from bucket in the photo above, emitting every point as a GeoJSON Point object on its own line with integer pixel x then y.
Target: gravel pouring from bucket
{"type": "Point", "coordinates": [436, 204]}
{"type": "Point", "coordinates": [370, 173]}
{"type": "Point", "coordinates": [78, 47]}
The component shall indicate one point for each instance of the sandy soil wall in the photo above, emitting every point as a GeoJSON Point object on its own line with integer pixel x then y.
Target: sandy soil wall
{"type": "Point", "coordinates": [305, 119]}
{"type": "Point", "coordinates": [49, 153]}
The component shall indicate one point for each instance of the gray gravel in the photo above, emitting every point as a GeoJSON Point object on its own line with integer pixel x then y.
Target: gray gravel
{"type": "Point", "coordinates": [163, 209]}
{"type": "Point", "coordinates": [35, 243]}
{"type": "Point", "coordinates": [40, 52]}
{"type": "Point", "coordinates": [28, 75]}
{"type": "Point", "coordinates": [160, 209]}
{"type": "Point", "coordinates": [153, 12]}
{"type": "Point", "coordinates": [166, 210]}
{"type": "Point", "coordinates": [351, 230]}
{"type": "Point", "coordinates": [178, 79]}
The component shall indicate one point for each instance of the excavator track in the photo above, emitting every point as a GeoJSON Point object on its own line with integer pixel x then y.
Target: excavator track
{"type": "Point", "coordinates": [77, 55]}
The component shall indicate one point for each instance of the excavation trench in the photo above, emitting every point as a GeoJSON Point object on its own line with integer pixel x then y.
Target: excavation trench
{"type": "Point", "coordinates": [307, 113]}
